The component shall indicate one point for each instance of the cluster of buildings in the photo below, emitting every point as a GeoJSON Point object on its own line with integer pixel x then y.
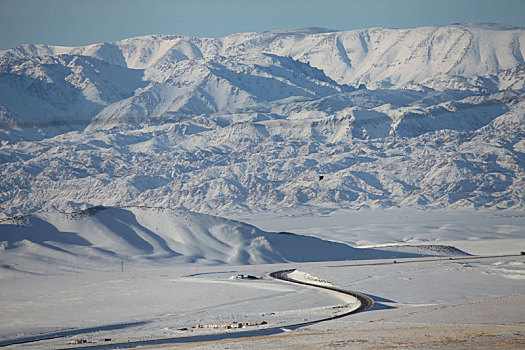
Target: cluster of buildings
{"type": "Point", "coordinates": [230, 325]}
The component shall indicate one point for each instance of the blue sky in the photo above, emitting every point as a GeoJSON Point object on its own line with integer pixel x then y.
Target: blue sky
{"type": "Point", "coordinates": [82, 22]}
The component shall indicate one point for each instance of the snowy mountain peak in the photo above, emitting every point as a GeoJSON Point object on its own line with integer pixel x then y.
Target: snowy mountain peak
{"type": "Point", "coordinates": [425, 117]}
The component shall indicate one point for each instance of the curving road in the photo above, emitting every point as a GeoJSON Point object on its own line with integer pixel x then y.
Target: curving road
{"type": "Point", "coordinates": [365, 303]}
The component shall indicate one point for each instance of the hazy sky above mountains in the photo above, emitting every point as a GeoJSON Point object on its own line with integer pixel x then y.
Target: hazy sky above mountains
{"type": "Point", "coordinates": [78, 22]}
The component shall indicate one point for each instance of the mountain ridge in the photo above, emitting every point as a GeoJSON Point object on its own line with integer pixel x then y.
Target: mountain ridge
{"type": "Point", "coordinates": [428, 117]}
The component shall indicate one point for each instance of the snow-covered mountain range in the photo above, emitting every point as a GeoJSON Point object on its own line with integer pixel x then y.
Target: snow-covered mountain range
{"type": "Point", "coordinates": [425, 117]}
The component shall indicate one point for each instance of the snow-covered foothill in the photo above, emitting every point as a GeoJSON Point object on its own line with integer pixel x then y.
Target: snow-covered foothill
{"type": "Point", "coordinates": [103, 238]}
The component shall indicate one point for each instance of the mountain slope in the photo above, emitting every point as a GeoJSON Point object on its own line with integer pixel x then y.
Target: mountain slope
{"type": "Point", "coordinates": [103, 238]}
{"type": "Point", "coordinates": [194, 75]}
{"type": "Point", "coordinates": [253, 121]}
{"type": "Point", "coordinates": [219, 85]}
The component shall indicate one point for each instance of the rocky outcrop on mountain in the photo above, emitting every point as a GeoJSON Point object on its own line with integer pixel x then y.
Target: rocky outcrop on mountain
{"type": "Point", "coordinates": [424, 117]}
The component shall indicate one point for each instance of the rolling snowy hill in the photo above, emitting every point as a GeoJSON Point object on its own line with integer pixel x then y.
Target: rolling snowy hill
{"type": "Point", "coordinates": [427, 117]}
{"type": "Point", "coordinates": [107, 238]}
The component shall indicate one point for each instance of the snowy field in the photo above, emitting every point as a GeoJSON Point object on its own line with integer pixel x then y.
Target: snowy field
{"type": "Point", "coordinates": [430, 301]}
{"type": "Point", "coordinates": [153, 303]}
{"type": "Point", "coordinates": [474, 231]}
{"type": "Point", "coordinates": [438, 305]}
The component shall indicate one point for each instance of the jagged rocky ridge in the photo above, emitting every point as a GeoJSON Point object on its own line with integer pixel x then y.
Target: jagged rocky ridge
{"type": "Point", "coordinates": [425, 117]}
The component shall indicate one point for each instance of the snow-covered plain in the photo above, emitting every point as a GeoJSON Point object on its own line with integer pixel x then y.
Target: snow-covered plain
{"type": "Point", "coordinates": [152, 303]}
{"type": "Point", "coordinates": [129, 295]}
{"type": "Point", "coordinates": [479, 232]}
{"type": "Point", "coordinates": [424, 299]}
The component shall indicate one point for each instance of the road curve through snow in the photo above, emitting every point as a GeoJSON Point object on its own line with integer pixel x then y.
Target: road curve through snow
{"type": "Point", "coordinates": [366, 301]}
{"type": "Point", "coordinates": [365, 304]}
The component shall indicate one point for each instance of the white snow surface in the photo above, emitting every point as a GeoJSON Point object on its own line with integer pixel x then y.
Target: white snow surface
{"type": "Point", "coordinates": [432, 232]}
{"type": "Point", "coordinates": [146, 303]}
{"type": "Point", "coordinates": [430, 117]}
{"type": "Point", "coordinates": [111, 238]}
{"type": "Point", "coordinates": [306, 277]}
{"type": "Point", "coordinates": [105, 238]}
{"type": "Point", "coordinates": [125, 274]}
